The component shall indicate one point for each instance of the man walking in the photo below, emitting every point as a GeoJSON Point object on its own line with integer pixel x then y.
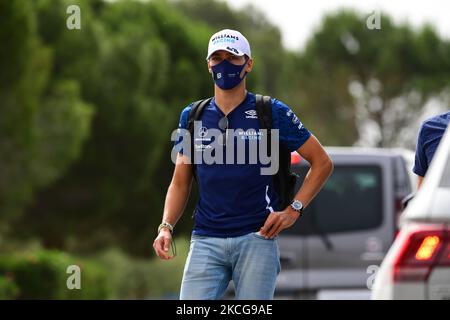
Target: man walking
{"type": "Point", "coordinates": [238, 215]}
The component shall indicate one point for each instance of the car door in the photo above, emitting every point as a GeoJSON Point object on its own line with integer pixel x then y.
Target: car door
{"type": "Point", "coordinates": [348, 227]}
{"type": "Point", "coordinates": [292, 278]}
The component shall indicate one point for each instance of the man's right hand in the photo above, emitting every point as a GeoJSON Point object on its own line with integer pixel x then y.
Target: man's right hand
{"type": "Point", "coordinates": [162, 244]}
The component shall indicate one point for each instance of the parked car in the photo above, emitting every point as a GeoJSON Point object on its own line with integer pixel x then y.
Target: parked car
{"type": "Point", "coordinates": [417, 265]}
{"type": "Point", "coordinates": [348, 227]}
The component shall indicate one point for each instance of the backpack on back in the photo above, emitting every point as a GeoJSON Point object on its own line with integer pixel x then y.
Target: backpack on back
{"type": "Point", "coordinates": [284, 181]}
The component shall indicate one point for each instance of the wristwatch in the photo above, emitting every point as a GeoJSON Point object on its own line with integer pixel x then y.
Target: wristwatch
{"type": "Point", "coordinates": [297, 205]}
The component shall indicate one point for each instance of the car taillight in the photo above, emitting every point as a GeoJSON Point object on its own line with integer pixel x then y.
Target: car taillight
{"type": "Point", "coordinates": [295, 158]}
{"type": "Point", "coordinates": [428, 248]}
{"type": "Point", "coordinates": [421, 251]}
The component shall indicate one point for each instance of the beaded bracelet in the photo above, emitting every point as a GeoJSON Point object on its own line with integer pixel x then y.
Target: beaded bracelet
{"type": "Point", "coordinates": [165, 225]}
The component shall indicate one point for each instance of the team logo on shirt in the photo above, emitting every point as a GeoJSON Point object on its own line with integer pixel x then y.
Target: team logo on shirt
{"type": "Point", "coordinates": [202, 135]}
{"type": "Point", "coordinates": [202, 132]}
{"type": "Point", "coordinates": [251, 114]}
{"type": "Point", "coordinates": [247, 146]}
{"type": "Point", "coordinates": [295, 119]}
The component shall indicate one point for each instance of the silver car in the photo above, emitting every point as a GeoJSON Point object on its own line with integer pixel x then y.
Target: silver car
{"type": "Point", "coordinates": [418, 263]}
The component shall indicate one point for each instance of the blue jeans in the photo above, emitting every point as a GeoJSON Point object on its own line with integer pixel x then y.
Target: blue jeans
{"type": "Point", "coordinates": [251, 261]}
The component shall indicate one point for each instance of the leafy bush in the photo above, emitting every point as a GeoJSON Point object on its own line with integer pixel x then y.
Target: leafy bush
{"type": "Point", "coordinates": [133, 278]}
{"type": "Point", "coordinates": [112, 274]}
{"type": "Point", "coordinates": [42, 275]}
{"type": "Point", "coordinates": [8, 289]}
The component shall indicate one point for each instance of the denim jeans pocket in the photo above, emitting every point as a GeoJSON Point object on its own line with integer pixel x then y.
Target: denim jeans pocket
{"type": "Point", "coordinates": [260, 236]}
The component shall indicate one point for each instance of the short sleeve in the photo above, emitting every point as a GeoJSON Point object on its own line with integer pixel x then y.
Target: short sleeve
{"type": "Point", "coordinates": [421, 161]}
{"type": "Point", "coordinates": [292, 131]}
{"type": "Point", "coordinates": [184, 116]}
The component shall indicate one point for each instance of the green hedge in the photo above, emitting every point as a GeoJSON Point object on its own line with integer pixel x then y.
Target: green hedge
{"type": "Point", "coordinates": [42, 275]}
{"type": "Point", "coordinates": [154, 278]}
{"type": "Point", "coordinates": [35, 273]}
{"type": "Point", "coordinates": [8, 289]}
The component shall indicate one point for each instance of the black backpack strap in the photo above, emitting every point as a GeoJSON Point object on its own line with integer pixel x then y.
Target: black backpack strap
{"type": "Point", "coordinates": [264, 112]}
{"type": "Point", "coordinates": [196, 112]}
{"type": "Point", "coordinates": [284, 181]}
{"type": "Point", "coordinates": [194, 115]}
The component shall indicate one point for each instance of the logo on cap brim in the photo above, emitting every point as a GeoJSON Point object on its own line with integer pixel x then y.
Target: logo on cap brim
{"type": "Point", "coordinates": [230, 50]}
{"type": "Point", "coordinates": [233, 50]}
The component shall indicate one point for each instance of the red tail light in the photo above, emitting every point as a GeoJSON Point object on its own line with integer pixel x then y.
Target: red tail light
{"type": "Point", "coordinates": [295, 158]}
{"type": "Point", "coordinates": [428, 248]}
{"type": "Point", "coordinates": [422, 250]}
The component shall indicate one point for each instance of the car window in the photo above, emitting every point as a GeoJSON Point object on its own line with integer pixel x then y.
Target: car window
{"type": "Point", "coordinates": [351, 200]}
{"type": "Point", "coordinates": [445, 180]}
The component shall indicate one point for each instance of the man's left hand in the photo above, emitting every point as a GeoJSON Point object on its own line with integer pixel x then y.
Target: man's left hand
{"type": "Point", "coordinates": [277, 221]}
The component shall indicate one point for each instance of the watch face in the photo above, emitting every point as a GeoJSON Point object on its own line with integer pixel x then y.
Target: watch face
{"type": "Point", "coordinates": [297, 205]}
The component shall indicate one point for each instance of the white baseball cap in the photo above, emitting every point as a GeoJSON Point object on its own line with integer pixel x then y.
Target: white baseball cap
{"type": "Point", "coordinates": [229, 40]}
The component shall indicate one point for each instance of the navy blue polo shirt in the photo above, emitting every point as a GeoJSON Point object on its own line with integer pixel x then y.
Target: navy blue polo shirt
{"type": "Point", "coordinates": [430, 135]}
{"type": "Point", "coordinates": [235, 199]}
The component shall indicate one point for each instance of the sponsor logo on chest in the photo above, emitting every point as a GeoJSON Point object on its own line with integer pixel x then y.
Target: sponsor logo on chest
{"type": "Point", "coordinates": [251, 114]}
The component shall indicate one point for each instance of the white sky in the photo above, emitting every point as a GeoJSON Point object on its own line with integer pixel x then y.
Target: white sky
{"type": "Point", "coordinates": [297, 19]}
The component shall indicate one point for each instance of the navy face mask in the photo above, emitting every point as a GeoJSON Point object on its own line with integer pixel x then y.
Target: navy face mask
{"type": "Point", "coordinates": [227, 75]}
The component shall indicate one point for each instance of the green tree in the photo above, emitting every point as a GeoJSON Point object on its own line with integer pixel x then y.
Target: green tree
{"type": "Point", "coordinates": [354, 78]}
{"type": "Point", "coordinates": [146, 64]}
{"type": "Point", "coordinates": [88, 113]}
{"type": "Point", "coordinates": [31, 118]}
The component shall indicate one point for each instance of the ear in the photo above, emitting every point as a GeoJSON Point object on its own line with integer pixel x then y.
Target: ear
{"type": "Point", "coordinates": [208, 66]}
{"type": "Point", "coordinates": [249, 66]}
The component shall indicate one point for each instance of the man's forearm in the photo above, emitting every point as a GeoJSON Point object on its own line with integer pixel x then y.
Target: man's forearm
{"type": "Point", "coordinates": [419, 182]}
{"type": "Point", "coordinates": [176, 200]}
{"type": "Point", "coordinates": [314, 181]}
